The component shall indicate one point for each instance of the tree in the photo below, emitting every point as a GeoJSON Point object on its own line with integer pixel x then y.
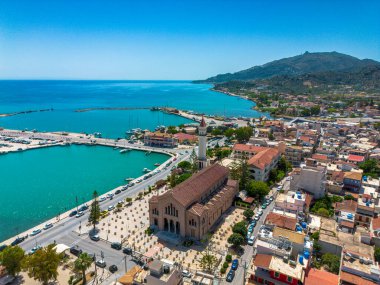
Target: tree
{"type": "Point", "coordinates": [315, 110]}
{"type": "Point", "coordinates": [43, 264]}
{"type": "Point", "coordinates": [185, 165]}
{"type": "Point", "coordinates": [243, 134]}
{"type": "Point", "coordinates": [172, 130]}
{"type": "Point", "coordinates": [332, 262]}
{"type": "Point", "coordinates": [284, 165]}
{"type": "Point", "coordinates": [194, 161]}
{"type": "Point", "coordinates": [182, 178]}
{"type": "Point", "coordinates": [258, 189]}
{"type": "Point", "coordinates": [377, 253]}
{"type": "Point", "coordinates": [208, 261]}
{"type": "Point", "coordinates": [94, 216]}
{"type": "Point", "coordinates": [229, 133]}
{"type": "Point", "coordinates": [236, 239]}
{"type": "Point", "coordinates": [370, 168]}
{"type": "Point", "coordinates": [248, 214]}
{"type": "Point", "coordinates": [240, 228]}
{"type": "Point", "coordinates": [244, 178]}
{"type": "Point", "coordinates": [11, 258]}
{"type": "Point", "coordinates": [323, 212]}
{"type": "Point", "coordinates": [81, 264]}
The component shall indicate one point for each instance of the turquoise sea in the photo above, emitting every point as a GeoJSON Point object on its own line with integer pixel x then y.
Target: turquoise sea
{"type": "Point", "coordinates": [67, 96]}
{"type": "Point", "coordinates": [38, 184]}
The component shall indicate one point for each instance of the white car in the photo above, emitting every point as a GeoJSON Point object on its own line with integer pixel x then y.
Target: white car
{"type": "Point", "coordinates": [251, 240]}
{"type": "Point", "coordinates": [110, 208]}
{"type": "Point", "coordinates": [186, 273]}
{"type": "Point", "coordinates": [80, 214]}
{"type": "Point", "coordinates": [101, 199]}
{"type": "Point", "coordinates": [48, 226]}
{"type": "Point", "coordinates": [35, 232]}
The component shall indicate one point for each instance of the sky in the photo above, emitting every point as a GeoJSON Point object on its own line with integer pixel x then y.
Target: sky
{"type": "Point", "coordinates": [175, 40]}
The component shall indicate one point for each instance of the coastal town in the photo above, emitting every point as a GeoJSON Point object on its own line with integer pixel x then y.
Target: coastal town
{"type": "Point", "coordinates": [262, 201]}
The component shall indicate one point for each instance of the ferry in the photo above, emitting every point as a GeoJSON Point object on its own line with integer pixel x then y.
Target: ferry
{"type": "Point", "coordinates": [146, 170]}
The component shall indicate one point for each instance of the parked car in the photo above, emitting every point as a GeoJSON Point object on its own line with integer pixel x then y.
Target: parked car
{"type": "Point", "coordinates": [251, 240]}
{"type": "Point", "coordinates": [95, 237]}
{"type": "Point", "coordinates": [73, 213]}
{"type": "Point", "coordinates": [75, 250]}
{"type": "Point", "coordinates": [83, 208]}
{"type": "Point", "coordinates": [235, 264]}
{"type": "Point", "coordinates": [117, 192]}
{"type": "Point", "coordinates": [2, 247]}
{"type": "Point", "coordinates": [80, 214]}
{"type": "Point", "coordinates": [101, 263]}
{"type": "Point", "coordinates": [230, 276]}
{"type": "Point", "coordinates": [264, 206]}
{"type": "Point", "coordinates": [113, 268]}
{"type": "Point", "coordinates": [18, 240]}
{"type": "Point", "coordinates": [127, 250]}
{"type": "Point", "coordinates": [110, 208]}
{"type": "Point", "coordinates": [101, 199]}
{"type": "Point", "coordinates": [35, 232]}
{"type": "Point", "coordinates": [48, 226]}
{"type": "Point", "coordinates": [186, 274]}
{"type": "Point", "coordinates": [116, 245]}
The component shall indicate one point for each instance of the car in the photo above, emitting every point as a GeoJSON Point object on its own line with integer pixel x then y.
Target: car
{"type": "Point", "coordinates": [235, 264]}
{"type": "Point", "coordinates": [116, 245]}
{"type": "Point", "coordinates": [101, 263]}
{"type": "Point", "coordinates": [186, 274]}
{"type": "Point", "coordinates": [34, 249]}
{"type": "Point", "coordinates": [35, 232]}
{"type": "Point", "coordinates": [250, 228]}
{"type": "Point", "coordinates": [73, 213]}
{"type": "Point", "coordinates": [260, 212]}
{"type": "Point", "coordinates": [257, 217]}
{"type": "Point", "coordinates": [113, 268]}
{"type": "Point", "coordinates": [251, 240]}
{"type": "Point", "coordinates": [80, 214]}
{"type": "Point", "coordinates": [2, 247]}
{"type": "Point", "coordinates": [288, 178]}
{"type": "Point", "coordinates": [83, 208]}
{"type": "Point", "coordinates": [264, 206]}
{"type": "Point", "coordinates": [17, 241]}
{"type": "Point", "coordinates": [109, 195]}
{"type": "Point", "coordinates": [102, 199]}
{"type": "Point", "coordinates": [230, 276]}
{"type": "Point", "coordinates": [110, 208]}
{"type": "Point", "coordinates": [75, 250]}
{"type": "Point", "coordinates": [48, 226]}
{"type": "Point", "coordinates": [271, 198]}
{"type": "Point", "coordinates": [279, 188]}
{"type": "Point", "coordinates": [127, 250]}
{"type": "Point", "coordinates": [95, 237]}
{"type": "Point", "coordinates": [117, 192]}
{"type": "Point", "coordinates": [120, 202]}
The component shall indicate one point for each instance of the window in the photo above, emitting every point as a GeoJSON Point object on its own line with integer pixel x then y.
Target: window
{"type": "Point", "coordinates": [290, 279]}
{"type": "Point", "coordinates": [276, 274]}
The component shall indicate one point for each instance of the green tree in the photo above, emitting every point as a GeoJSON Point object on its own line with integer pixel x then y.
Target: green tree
{"type": "Point", "coordinates": [248, 214]}
{"type": "Point", "coordinates": [315, 110]}
{"type": "Point", "coordinates": [240, 228]}
{"type": "Point", "coordinates": [243, 134]}
{"type": "Point", "coordinates": [229, 133]}
{"type": "Point", "coordinates": [236, 239]}
{"type": "Point", "coordinates": [43, 264]}
{"type": "Point", "coordinates": [244, 178]}
{"type": "Point", "coordinates": [94, 216]}
{"type": "Point", "coordinates": [257, 189]}
{"type": "Point", "coordinates": [185, 165]}
{"type": "Point", "coordinates": [81, 264]}
{"type": "Point", "coordinates": [284, 165]}
{"type": "Point", "coordinates": [323, 212]}
{"type": "Point", "coordinates": [377, 253]}
{"type": "Point", "coordinates": [235, 170]}
{"type": "Point", "coordinates": [172, 130]}
{"type": "Point", "coordinates": [208, 261]}
{"type": "Point", "coordinates": [370, 168]}
{"type": "Point", "coordinates": [194, 161]}
{"type": "Point", "coordinates": [182, 178]}
{"type": "Point", "coordinates": [332, 262]}
{"type": "Point", "coordinates": [11, 258]}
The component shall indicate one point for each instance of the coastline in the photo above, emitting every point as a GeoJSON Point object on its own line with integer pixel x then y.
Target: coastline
{"type": "Point", "coordinates": [63, 216]}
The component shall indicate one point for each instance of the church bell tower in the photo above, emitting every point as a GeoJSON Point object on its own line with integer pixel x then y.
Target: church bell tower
{"type": "Point", "coordinates": [202, 133]}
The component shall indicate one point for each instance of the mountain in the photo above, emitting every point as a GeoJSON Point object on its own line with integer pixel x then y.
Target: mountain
{"type": "Point", "coordinates": [307, 63]}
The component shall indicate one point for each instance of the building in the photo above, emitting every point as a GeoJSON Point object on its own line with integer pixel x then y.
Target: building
{"type": "Point", "coordinates": [320, 277]}
{"type": "Point", "coordinates": [262, 163]}
{"type": "Point", "coordinates": [246, 151]}
{"type": "Point", "coordinates": [311, 180]}
{"type": "Point", "coordinates": [191, 208]}
{"type": "Point", "coordinates": [282, 221]}
{"type": "Point", "coordinates": [157, 139]}
{"type": "Point", "coordinates": [352, 181]}
{"type": "Point", "coordinates": [202, 148]}
{"type": "Point", "coordinates": [293, 154]}
{"type": "Point", "coordinates": [186, 138]}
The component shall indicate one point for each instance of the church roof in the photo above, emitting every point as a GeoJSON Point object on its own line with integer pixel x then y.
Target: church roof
{"type": "Point", "coordinates": [192, 189]}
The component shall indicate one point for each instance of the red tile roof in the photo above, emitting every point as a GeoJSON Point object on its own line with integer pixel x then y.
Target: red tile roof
{"type": "Point", "coordinates": [320, 277]}
{"type": "Point", "coordinates": [354, 279]}
{"type": "Point", "coordinates": [248, 148]}
{"type": "Point", "coordinates": [356, 158]}
{"type": "Point", "coordinates": [263, 260]}
{"type": "Point", "coordinates": [376, 223]}
{"type": "Point", "coordinates": [182, 137]}
{"type": "Point", "coordinates": [200, 183]}
{"type": "Point", "coordinates": [263, 158]}
{"type": "Point", "coordinates": [318, 156]}
{"type": "Point", "coordinates": [346, 205]}
{"type": "Point", "coordinates": [347, 224]}
{"type": "Point", "coordinates": [281, 221]}
{"type": "Point", "coordinates": [203, 123]}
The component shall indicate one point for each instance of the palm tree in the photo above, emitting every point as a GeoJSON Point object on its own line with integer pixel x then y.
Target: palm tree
{"type": "Point", "coordinates": [82, 263]}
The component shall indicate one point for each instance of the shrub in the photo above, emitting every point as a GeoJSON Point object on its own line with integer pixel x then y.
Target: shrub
{"type": "Point", "coordinates": [225, 264]}
{"type": "Point", "coordinates": [223, 270]}
{"type": "Point", "coordinates": [228, 258]}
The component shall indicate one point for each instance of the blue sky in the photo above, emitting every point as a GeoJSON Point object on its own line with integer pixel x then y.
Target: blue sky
{"type": "Point", "coordinates": [90, 39]}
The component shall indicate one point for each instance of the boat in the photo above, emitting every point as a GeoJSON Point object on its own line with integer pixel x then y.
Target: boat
{"type": "Point", "coordinates": [116, 147]}
{"type": "Point", "coordinates": [157, 164]}
{"type": "Point", "coordinates": [148, 152]}
{"type": "Point", "coordinates": [146, 170]}
{"type": "Point", "coordinates": [129, 179]}
{"type": "Point", "coordinates": [125, 150]}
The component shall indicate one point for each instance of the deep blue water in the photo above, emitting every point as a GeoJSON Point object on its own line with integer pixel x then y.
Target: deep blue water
{"type": "Point", "coordinates": [66, 96]}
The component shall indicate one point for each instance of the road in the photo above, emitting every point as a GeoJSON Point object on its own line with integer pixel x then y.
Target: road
{"type": "Point", "coordinates": [245, 259]}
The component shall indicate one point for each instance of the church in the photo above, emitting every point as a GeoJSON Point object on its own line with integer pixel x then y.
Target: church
{"type": "Point", "coordinates": [191, 208]}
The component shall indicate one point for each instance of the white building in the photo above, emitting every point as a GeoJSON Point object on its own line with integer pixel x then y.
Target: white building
{"type": "Point", "coordinates": [202, 148]}
{"type": "Point", "coordinates": [310, 179]}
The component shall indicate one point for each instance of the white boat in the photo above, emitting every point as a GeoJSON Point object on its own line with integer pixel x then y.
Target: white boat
{"type": "Point", "coordinates": [157, 164]}
{"type": "Point", "coordinates": [129, 179]}
{"type": "Point", "coordinates": [146, 170]}
{"type": "Point", "coordinates": [125, 150]}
